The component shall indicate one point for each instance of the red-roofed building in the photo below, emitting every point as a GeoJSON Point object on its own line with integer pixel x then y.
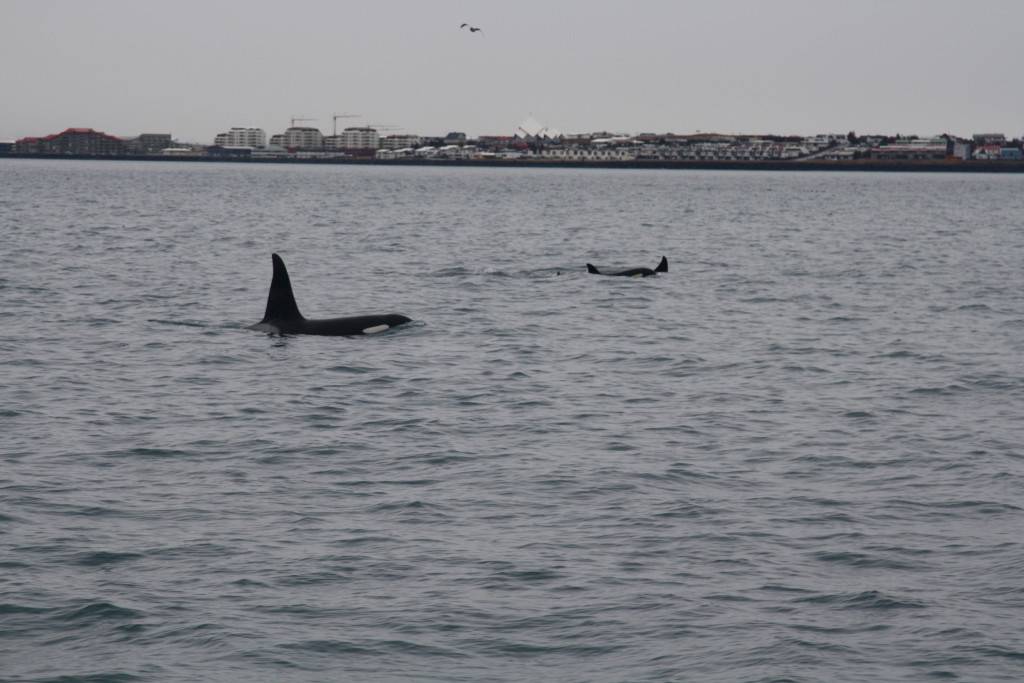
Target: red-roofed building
{"type": "Point", "coordinates": [73, 141]}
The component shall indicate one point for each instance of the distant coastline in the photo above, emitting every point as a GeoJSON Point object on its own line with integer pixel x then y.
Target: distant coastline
{"type": "Point", "coordinates": [874, 165]}
{"type": "Point", "coordinates": [534, 146]}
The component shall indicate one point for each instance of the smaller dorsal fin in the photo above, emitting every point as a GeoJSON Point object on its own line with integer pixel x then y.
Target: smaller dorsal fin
{"type": "Point", "coordinates": [281, 301]}
{"type": "Point", "coordinates": [663, 266]}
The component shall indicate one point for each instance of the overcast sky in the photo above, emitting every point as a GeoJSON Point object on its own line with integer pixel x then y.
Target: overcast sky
{"type": "Point", "coordinates": [194, 68]}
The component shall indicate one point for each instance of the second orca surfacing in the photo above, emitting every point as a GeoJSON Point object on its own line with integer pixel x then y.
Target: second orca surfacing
{"type": "Point", "coordinates": [633, 272]}
{"type": "Point", "coordinates": [283, 317]}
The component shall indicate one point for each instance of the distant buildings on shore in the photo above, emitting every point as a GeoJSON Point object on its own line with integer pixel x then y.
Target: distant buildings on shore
{"type": "Point", "coordinates": [89, 142]}
{"type": "Point", "coordinates": [531, 141]}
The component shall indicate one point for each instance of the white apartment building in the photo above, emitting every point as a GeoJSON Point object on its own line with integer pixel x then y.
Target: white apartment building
{"type": "Point", "coordinates": [356, 138]}
{"type": "Point", "coordinates": [242, 137]}
{"type": "Point", "coordinates": [299, 137]}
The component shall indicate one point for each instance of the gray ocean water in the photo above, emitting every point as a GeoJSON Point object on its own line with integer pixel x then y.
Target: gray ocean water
{"type": "Point", "coordinates": [798, 456]}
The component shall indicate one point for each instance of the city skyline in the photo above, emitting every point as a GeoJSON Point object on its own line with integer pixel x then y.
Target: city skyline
{"type": "Point", "coordinates": [790, 67]}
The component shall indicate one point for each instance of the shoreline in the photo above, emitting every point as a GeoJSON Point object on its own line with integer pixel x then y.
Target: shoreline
{"type": "Point", "coordinates": [873, 165]}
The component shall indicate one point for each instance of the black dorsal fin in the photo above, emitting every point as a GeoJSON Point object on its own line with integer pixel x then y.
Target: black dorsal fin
{"type": "Point", "coordinates": [663, 266]}
{"type": "Point", "coordinates": [281, 302]}
{"type": "Point", "coordinates": [591, 268]}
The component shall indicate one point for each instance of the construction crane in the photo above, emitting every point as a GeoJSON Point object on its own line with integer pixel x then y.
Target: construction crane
{"type": "Point", "coordinates": [383, 126]}
{"type": "Point", "coordinates": [343, 116]}
{"type": "Point", "coordinates": [299, 118]}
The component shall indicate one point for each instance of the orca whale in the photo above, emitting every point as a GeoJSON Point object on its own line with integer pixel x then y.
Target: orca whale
{"type": "Point", "coordinates": [633, 272]}
{"type": "Point", "coordinates": [283, 317]}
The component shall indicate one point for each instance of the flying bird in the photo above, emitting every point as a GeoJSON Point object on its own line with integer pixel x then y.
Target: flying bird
{"type": "Point", "coordinates": [472, 29]}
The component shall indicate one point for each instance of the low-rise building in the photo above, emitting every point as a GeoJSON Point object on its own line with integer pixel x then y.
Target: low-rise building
{"type": "Point", "coordinates": [843, 154]}
{"type": "Point", "coordinates": [400, 141]}
{"type": "Point", "coordinates": [386, 153]}
{"type": "Point", "coordinates": [592, 153]}
{"type": "Point", "coordinates": [917, 149]}
{"type": "Point", "coordinates": [148, 143]}
{"type": "Point", "coordinates": [989, 139]}
{"type": "Point", "coordinates": [269, 152]}
{"type": "Point", "coordinates": [230, 151]}
{"type": "Point", "coordinates": [962, 149]}
{"type": "Point", "coordinates": [1008, 152]}
{"type": "Point", "coordinates": [458, 152]}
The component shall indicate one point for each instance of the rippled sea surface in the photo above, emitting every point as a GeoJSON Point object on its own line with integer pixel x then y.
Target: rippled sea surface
{"type": "Point", "coordinates": [797, 456]}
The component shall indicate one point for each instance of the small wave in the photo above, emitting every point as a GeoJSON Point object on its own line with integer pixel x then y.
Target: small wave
{"type": "Point", "coordinates": [947, 390]}
{"type": "Point", "coordinates": [534, 274]}
{"type": "Point", "coordinates": [844, 629]}
{"type": "Point", "coordinates": [11, 608]}
{"type": "Point", "coordinates": [804, 368]}
{"type": "Point", "coordinates": [983, 507]}
{"type": "Point", "coordinates": [996, 382]}
{"type": "Point", "coordinates": [5, 518]}
{"type": "Point", "coordinates": [315, 579]}
{"type": "Point", "coordinates": [862, 560]}
{"type": "Point", "coordinates": [334, 647]}
{"type": "Point", "coordinates": [406, 506]}
{"type": "Point", "coordinates": [92, 678]}
{"type": "Point", "coordinates": [8, 564]}
{"type": "Point", "coordinates": [196, 550]}
{"type": "Point", "coordinates": [97, 612]}
{"type": "Point", "coordinates": [684, 511]}
{"type": "Point", "coordinates": [1004, 652]}
{"type": "Point", "coordinates": [100, 558]}
{"type": "Point", "coordinates": [362, 540]}
{"type": "Point", "coordinates": [763, 300]}
{"type": "Point", "coordinates": [900, 354]}
{"type": "Point", "coordinates": [526, 650]}
{"type": "Point", "coordinates": [142, 452]}
{"type": "Point", "coordinates": [202, 324]}
{"type": "Point", "coordinates": [867, 600]}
